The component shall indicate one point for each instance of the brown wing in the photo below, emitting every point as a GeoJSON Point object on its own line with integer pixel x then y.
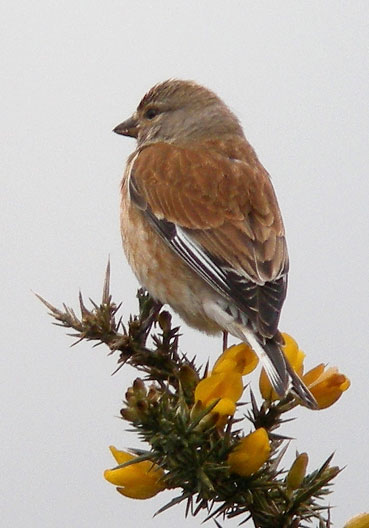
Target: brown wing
{"type": "Point", "coordinates": [227, 208]}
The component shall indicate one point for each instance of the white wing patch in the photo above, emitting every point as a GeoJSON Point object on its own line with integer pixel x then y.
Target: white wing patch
{"type": "Point", "coordinates": [207, 264]}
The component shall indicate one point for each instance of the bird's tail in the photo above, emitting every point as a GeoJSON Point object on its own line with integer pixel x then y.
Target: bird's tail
{"type": "Point", "coordinates": [280, 373]}
{"type": "Point", "coordinates": [299, 388]}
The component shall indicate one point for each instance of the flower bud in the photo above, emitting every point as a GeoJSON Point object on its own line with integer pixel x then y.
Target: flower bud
{"type": "Point", "coordinates": [188, 377]}
{"type": "Point", "coordinates": [139, 388]}
{"type": "Point", "coordinates": [129, 394]}
{"type": "Point", "coordinates": [165, 321]}
{"type": "Point", "coordinates": [297, 472]}
{"type": "Point", "coordinates": [153, 394]}
{"type": "Point", "coordinates": [142, 406]}
{"type": "Point", "coordinates": [129, 413]}
{"type": "Point", "coordinates": [207, 422]}
{"type": "Point", "coordinates": [196, 410]}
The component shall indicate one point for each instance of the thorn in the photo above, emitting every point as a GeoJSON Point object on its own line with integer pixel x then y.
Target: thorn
{"type": "Point", "coordinates": [106, 287]}
{"type": "Point", "coordinates": [119, 367]}
{"type": "Point", "coordinates": [76, 342]}
{"type": "Point", "coordinates": [47, 304]}
{"type": "Point", "coordinates": [253, 403]}
{"type": "Point", "coordinates": [82, 306]}
{"type": "Point", "coordinates": [93, 303]}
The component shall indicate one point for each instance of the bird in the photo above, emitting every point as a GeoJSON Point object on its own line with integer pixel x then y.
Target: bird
{"type": "Point", "coordinates": [201, 226]}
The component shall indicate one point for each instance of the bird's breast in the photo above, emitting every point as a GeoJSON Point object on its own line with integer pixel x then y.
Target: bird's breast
{"type": "Point", "coordinates": [160, 270]}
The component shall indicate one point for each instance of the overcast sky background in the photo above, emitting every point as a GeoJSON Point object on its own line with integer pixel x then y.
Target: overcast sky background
{"type": "Point", "coordinates": [297, 75]}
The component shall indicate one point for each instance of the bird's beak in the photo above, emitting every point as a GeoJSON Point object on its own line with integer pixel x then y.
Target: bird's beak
{"type": "Point", "coordinates": [129, 127]}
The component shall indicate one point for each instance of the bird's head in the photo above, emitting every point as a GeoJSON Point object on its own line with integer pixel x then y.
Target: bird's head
{"type": "Point", "coordinates": [179, 112]}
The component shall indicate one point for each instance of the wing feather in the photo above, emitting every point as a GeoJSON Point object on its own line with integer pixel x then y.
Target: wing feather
{"type": "Point", "coordinates": [221, 216]}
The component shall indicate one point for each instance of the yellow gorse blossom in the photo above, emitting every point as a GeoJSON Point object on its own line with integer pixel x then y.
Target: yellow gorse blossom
{"type": "Point", "coordinates": [226, 387]}
{"type": "Point", "coordinates": [250, 454]}
{"type": "Point", "coordinates": [225, 380]}
{"type": "Point", "coordinates": [137, 481]}
{"type": "Point", "coordinates": [326, 385]}
{"type": "Point", "coordinates": [237, 358]}
{"type": "Point", "coordinates": [359, 521]}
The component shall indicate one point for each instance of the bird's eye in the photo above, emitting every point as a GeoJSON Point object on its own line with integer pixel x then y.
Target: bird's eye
{"type": "Point", "coordinates": [151, 113]}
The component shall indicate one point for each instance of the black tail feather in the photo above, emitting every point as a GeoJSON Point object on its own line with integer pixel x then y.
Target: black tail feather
{"type": "Point", "coordinates": [285, 377]}
{"type": "Point", "coordinates": [300, 390]}
{"type": "Point", "coordinates": [278, 375]}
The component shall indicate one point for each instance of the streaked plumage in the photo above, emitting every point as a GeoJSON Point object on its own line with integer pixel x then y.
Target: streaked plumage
{"type": "Point", "coordinates": [200, 221]}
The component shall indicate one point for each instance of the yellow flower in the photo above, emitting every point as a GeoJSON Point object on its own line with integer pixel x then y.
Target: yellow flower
{"type": "Point", "coordinates": [250, 454]}
{"type": "Point", "coordinates": [137, 481]}
{"type": "Point", "coordinates": [327, 385]}
{"type": "Point", "coordinates": [237, 358]}
{"type": "Point", "coordinates": [294, 355]}
{"type": "Point", "coordinates": [225, 381]}
{"type": "Point", "coordinates": [297, 471]}
{"type": "Point", "coordinates": [226, 387]}
{"type": "Point", "coordinates": [359, 521]}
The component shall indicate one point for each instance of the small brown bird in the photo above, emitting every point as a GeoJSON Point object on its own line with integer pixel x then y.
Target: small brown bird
{"type": "Point", "coordinates": [200, 222]}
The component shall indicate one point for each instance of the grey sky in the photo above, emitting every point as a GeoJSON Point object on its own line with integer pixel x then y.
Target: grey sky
{"type": "Point", "coordinates": [296, 74]}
